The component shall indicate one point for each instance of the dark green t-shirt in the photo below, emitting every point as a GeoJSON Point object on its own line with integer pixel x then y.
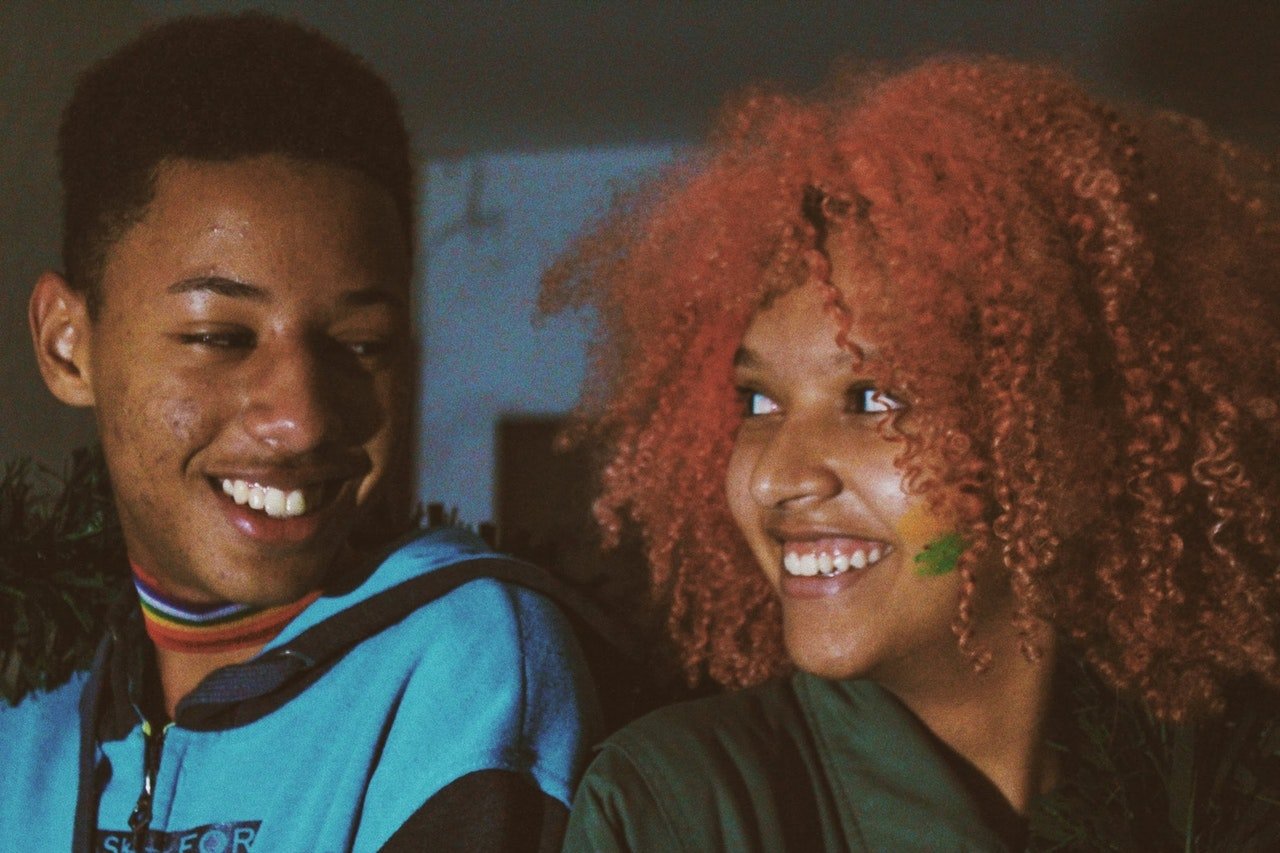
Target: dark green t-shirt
{"type": "Point", "coordinates": [803, 764]}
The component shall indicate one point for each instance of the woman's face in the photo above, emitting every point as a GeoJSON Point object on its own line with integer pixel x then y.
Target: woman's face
{"type": "Point", "coordinates": [813, 487]}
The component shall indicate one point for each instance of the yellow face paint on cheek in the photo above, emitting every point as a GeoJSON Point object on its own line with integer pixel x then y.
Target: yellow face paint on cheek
{"type": "Point", "coordinates": [918, 525]}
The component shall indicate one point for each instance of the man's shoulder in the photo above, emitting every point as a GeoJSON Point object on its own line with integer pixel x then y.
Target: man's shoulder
{"type": "Point", "coordinates": [41, 719]}
{"type": "Point", "coordinates": [51, 703]}
{"type": "Point", "coordinates": [40, 757]}
{"type": "Point", "coordinates": [463, 585]}
{"type": "Point", "coordinates": [445, 577]}
{"type": "Point", "coordinates": [488, 672]}
{"type": "Point", "coordinates": [468, 618]}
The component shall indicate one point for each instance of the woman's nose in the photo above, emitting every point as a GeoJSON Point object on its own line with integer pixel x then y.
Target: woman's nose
{"type": "Point", "coordinates": [795, 465]}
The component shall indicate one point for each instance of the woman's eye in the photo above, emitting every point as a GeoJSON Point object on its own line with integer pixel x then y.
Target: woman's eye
{"type": "Point", "coordinates": [218, 340]}
{"type": "Point", "coordinates": [869, 401]}
{"type": "Point", "coordinates": [754, 403]}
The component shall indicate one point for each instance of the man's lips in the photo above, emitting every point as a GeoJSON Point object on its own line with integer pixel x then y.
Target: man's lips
{"type": "Point", "coordinates": [281, 514]}
{"type": "Point", "coordinates": [280, 496]}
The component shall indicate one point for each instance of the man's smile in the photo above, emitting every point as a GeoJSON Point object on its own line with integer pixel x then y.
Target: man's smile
{"type": "Point", "coordinates": [284, 495]}
{"type": "Point", "coordinates": [274, 502]}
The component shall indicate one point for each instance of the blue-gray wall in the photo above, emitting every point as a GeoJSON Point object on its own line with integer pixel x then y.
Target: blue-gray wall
{"type": "Point", "coordinates": [493, 222]}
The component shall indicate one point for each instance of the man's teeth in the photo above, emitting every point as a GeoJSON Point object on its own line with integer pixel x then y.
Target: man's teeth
{"type": "Point", "coordinates": [276, 503]}
{"type": "Point", "coordinates": [824, 563]}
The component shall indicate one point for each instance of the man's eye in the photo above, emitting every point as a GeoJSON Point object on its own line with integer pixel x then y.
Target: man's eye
{"type": "Point", "coordinates": [754, 403]}
{"type": "Point", "coordinates": [368, 349]}
{"type": "Point", "coordinates": [869, 401]}
{"type": "Point", "coordinates": [218, 340]}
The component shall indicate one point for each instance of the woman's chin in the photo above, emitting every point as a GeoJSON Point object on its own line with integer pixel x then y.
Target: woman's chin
{"type": "Point", "coordinates": [813, 653]}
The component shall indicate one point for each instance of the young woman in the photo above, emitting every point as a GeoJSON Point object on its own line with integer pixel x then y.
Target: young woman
{"type": "Point", "coordinates": [919, 390]}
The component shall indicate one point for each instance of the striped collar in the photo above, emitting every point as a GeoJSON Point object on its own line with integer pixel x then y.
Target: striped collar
{"type": "Point", "coordinates": [185, 626]}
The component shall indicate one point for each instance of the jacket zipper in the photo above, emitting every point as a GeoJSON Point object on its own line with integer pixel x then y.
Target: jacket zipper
{"type": "Point", "coordinates": [140, 819]}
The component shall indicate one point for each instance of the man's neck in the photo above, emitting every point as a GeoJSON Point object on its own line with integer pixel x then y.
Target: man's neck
{"type": "Point", "coordinates": [181, 672]}
{"type": "Point", "coordinates": [192, 639]}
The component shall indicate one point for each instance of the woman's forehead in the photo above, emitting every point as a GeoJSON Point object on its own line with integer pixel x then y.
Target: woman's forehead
{"type": "Point", "coordinates": [803, 324]}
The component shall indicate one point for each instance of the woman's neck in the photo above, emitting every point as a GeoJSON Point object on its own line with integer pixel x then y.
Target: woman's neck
{"type": "Point", "coordinates": [994, 720]}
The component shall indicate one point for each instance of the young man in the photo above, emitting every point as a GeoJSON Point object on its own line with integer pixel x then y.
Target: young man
{"type": "Point", "coordinates": [234, 308]}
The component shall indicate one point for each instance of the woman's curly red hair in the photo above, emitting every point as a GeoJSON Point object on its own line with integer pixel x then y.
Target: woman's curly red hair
{"type": "Point", "coordinates": [1084, 307]}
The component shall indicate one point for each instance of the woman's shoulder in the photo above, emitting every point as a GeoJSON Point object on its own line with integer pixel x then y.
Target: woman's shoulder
{"type": "Point", "coordinates": [801, 763]}
{"type": "Point", "coordinates": [754, 724]}
{"type": "Point", "coordinates": [673, 780]}
{"type": "Point", "coordinates": [739, 721]}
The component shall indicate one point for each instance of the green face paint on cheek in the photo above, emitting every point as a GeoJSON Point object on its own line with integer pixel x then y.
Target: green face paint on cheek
{"type": "Point", "coordinates": [940, 556]}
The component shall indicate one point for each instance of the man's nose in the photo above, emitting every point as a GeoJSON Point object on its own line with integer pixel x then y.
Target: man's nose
{"type": "Point", "coordinates": [293, 402]}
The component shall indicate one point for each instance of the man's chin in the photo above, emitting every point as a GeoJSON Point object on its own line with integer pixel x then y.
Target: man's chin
{"type": "Point", "coordinates": [259, 591]}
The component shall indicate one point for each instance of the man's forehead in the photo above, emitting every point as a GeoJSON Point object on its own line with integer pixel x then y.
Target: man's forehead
{"type": "Point", "coordinates": [229, 199]}
{"type": "Point", "coordinates": [251, 229]}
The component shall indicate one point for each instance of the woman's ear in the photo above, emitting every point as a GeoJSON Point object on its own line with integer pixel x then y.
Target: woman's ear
{"type": "Point", "coordinates": [61, 332]}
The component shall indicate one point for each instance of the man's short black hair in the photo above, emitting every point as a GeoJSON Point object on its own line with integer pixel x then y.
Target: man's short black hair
{"type": "Point", "coordinates": [217, 88]}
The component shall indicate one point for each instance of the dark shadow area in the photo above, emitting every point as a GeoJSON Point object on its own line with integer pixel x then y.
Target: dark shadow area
{"type": "Point", "coordinates": [544, 514]}
{"type": "Point", "coordinates": [1217, 61]}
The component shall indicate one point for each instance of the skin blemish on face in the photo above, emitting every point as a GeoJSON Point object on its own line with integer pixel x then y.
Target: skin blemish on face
{"type": "Point", "coordinates": [181, 417]}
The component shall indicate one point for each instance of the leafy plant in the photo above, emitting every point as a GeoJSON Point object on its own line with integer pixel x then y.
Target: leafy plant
{"type": "Point", "coordinates": [1130, 782]}
{"type": "Point", "coordinates": [62, 565]}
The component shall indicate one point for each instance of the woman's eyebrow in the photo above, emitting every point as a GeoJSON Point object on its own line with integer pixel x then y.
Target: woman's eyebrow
{"type": "Point", "coordinates": [744, 357]}
{"type": "Point", "coordinates": [748, 358]}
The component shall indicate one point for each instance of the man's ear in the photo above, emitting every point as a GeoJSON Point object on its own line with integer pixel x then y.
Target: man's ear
{"type": "Point", "coordinates": [61, 333]}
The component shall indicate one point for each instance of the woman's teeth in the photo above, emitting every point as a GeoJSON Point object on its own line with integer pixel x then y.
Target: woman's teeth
{"type": "Point", "coordinates": [827, 563]}
{"type": "Point", "coordinates": [276, 503]}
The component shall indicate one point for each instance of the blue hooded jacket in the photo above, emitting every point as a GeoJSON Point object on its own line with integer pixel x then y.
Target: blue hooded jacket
{"type": "Point", "coordinates": [408, 707]}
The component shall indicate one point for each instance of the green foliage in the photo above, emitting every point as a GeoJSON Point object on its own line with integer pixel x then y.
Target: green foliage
{"type": "Point", "coordinates": [62, 564]}
{"type": "Point", "coordinates": [1132, 783]}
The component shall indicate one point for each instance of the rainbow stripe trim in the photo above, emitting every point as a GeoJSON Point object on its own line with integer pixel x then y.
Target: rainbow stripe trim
{"type": "Point", "coordinates": [184, 626]}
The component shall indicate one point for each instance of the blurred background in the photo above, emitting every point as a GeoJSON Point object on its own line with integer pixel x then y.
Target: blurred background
{"type": "Point", "coordinates": [528, 117]}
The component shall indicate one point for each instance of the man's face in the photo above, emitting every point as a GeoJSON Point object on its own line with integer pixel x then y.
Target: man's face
{"type": "Point", "coordinates": [249, 372]}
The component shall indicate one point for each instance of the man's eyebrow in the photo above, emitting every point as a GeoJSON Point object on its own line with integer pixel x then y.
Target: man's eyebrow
{"type": "Point", "coordinates": [242, 290]}
{"type": "Point", "coordinates": [220, 286]}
